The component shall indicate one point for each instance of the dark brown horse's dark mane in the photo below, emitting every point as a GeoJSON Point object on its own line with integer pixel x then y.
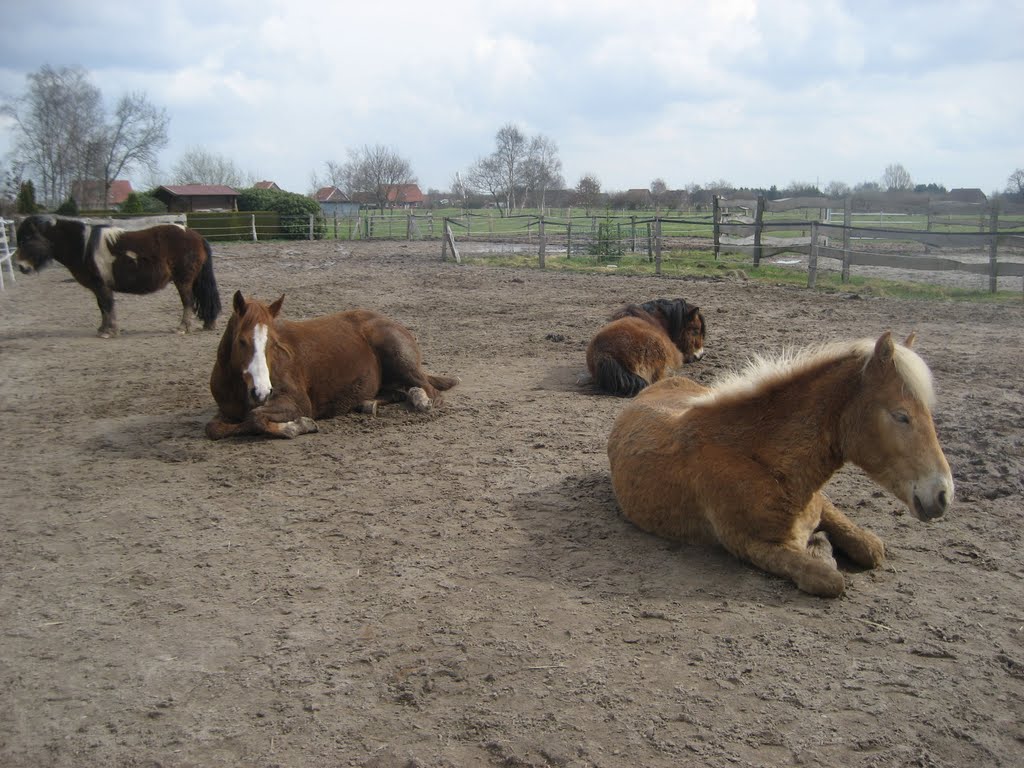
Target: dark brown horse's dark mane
{"type": "Point", "coordinates": [670, 314]}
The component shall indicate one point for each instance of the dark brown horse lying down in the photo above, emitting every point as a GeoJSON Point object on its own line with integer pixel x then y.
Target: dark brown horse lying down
{"type": "Point", "coordinates": [644, 343]}
{"type": "Point", "coordinates": [274, 376]}
{"type": "Point", "coordinates": [742, 464]}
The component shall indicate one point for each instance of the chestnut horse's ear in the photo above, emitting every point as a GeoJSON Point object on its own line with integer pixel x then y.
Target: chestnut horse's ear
{"type": "Point", "coordinates": [239, 302]}
{"type": "Point", "coordinates": [884, 348]}
{"type": "Point", "coordinates": [910, 340]}
{"type": "Point", "coordinates": [275, 308]}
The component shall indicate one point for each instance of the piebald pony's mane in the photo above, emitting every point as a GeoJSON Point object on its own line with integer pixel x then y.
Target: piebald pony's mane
{"type": "Point", "coordinates": [761, 371]}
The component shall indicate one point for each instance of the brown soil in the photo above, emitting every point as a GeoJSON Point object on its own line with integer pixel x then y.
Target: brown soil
{"type": "Point", "coordinates": [458, 588]}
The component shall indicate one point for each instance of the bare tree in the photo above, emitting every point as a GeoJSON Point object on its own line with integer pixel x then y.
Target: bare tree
{"type": "Point", "coordinates": [896, 178]}
{"type": "Point", "coordinates": [588, 191]}
{"type": "Point", "coordinates": [486, 176]}
{"type": "Point", "coordinates": [1015, 183]}
{"type": "Point", "coordinates": [837, 189]}
{"type": "Point", "coordinates": [373, 172]}
{"type": "Point", "coordinates": [199, 166]}
{"type": "Point", "coordinates": [59, 129]}
{"type": "Point", "coordinates": [517, 165]}
{"type": "Point", "coordinates": [542, 169]}
{"type": "Point", "coordinates": [133, 138]}
{"type": "Point", "coordinates": [659, 192]}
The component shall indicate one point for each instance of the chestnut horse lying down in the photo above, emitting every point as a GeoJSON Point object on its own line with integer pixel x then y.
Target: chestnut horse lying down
{"type": "Point", "coordinates": [742, 463]}
{"type": "Point", "coordinates": [644, 343]}
{"type": "Point", "coordinates": [274, 376]}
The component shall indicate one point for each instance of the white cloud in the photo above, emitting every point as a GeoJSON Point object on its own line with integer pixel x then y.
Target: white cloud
{"type": "Point", "coordinates": [757, 92]}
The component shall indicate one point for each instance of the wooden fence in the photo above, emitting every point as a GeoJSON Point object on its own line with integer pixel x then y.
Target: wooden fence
{"type": "Point", "coordinates": [732, 218]}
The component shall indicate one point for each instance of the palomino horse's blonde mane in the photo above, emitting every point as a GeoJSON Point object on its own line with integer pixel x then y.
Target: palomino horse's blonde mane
{"type": "Point", "coordinates": [760, 370]}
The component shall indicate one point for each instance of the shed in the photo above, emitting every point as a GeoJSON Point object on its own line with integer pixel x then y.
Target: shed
{"type": "Point", "coordinates": [334, 202]}
{"type": "Point", "coordinates": [197, 197]}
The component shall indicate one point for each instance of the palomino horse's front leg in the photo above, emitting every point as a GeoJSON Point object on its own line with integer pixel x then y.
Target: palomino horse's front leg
{"type": "Point", "coordinates": [860, 545]}
{"type": "Point", "coordinates": [805, 566]}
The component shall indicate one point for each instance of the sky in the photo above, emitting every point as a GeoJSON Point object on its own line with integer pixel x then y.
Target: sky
{"type": "Point", "coordinates": [753, 92]}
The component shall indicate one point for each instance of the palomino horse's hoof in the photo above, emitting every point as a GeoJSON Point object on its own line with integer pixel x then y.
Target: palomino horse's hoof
{"type": "Point", "coordinates": [418, 399]}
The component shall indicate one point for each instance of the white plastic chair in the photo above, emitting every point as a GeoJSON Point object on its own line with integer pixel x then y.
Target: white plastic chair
{"type": "Point", "coordinates": [5, 252]}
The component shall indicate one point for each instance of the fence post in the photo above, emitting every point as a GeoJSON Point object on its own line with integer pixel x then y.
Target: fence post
{"type": "Point", "coordinates": [847, 255]}
{"type": "Point", "coordinates": [657, 245]}
{"type": "Point", "coordinates": [632, 234]}
{"type": "Point", "coordinates": [311, 226]}
{"type": "Point", "coordinates": [812, 257]}
{"type": "Point", "coordinates": [568, 239]}
{"type": "Point", "coordinates": [717, 232]}
{"type": "Point", "coordinates": [253, 220]}
{"type": "Point", "coordinates": [758, 224]}
{"type": "Point", "coordinates": [993, 226]}
{"type": "Point", "coordinates": [543, 241]}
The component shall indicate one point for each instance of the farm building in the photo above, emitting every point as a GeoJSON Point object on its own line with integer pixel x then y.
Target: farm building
{"type": "Point", "coordinates": [405, 196]}
{"type": "Point", "coordinates": [334, 202]}
{"type": "Point", "coordinates": [197, 197]}
{"type": "Point", "coordinates": [88, 193]}
{"type": "Point", "coordinates": [267, 185]}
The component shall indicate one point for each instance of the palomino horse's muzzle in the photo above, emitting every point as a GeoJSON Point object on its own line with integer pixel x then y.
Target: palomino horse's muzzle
{"type": "Point", "coordinates": [933, 497]}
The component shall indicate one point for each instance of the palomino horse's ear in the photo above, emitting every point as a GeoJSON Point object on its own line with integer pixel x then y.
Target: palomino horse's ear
{"type": "Point", "coordinates": [884, 348]}
{"type": "Point", "coordinates": [910, 340]}
{"type": "Point", "coordinates": [239, 302]}
{"type": "Point", "coordinates": [275, 308]}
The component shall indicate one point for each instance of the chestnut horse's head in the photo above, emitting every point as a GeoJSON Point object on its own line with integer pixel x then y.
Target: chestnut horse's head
{"type": "Point", "coordinates": [252, 338]}
{"type": "Point", "coordinates": [890, 433]}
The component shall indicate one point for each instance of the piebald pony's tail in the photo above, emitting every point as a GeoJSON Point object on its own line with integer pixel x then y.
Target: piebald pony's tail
{"type": "Point", "coordinates": [205, 297]}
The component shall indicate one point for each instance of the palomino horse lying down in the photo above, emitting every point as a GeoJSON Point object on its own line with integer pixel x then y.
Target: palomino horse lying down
{"type": "Point", "coordinates": [644, 343]}
{"type": "Point", "coordinates": [742, 464]}
{"type": "Point", "coordinates": [274, 377]}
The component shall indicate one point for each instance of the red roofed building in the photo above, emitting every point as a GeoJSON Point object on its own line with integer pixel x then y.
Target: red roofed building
{"type": "Point", "coordinates": [405, 196]}
{"type": "Point", "coordinates": [89, 193]}
{"type": "Point", "coordinates": [267, 185]}
{"type": "Point", "coordinates": [197, 197]}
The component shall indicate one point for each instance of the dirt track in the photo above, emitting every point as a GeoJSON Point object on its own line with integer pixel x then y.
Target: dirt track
{"type": "Point", "coordinates": [458, 588]}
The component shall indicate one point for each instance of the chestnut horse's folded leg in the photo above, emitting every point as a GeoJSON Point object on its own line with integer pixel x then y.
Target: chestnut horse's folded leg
{"type": "Point", "coordinates": [860, 545]}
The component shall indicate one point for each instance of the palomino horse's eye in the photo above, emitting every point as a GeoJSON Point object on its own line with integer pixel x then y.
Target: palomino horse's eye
{"type": "Point", "coordinates": [901, 417]}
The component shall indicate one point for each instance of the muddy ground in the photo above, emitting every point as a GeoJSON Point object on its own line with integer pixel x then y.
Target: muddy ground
{"type": "Point", "coordinates": [458, 588]}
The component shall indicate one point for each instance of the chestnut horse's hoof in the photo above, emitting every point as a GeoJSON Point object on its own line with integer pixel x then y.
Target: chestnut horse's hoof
{"type": "Point", "coordinates": [367, 406]}
{"type": "Point", "coordinates": [418, 399]}
{"type": "Point", "coordinates": [301, 426]}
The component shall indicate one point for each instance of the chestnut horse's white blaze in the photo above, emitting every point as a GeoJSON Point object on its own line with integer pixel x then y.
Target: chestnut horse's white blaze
{"type": "Point", "coordinates": [742, 464]}
{"type": "Point", "coordinates": [258, 370]}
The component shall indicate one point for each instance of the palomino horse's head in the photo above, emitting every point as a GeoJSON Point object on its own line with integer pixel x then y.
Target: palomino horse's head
{"type": "Point", "coordinates": [35, 250]}
{"type": "Point", "coordinates": [252, 338]}
{"type": "Point", "coordinates": [890, 432]}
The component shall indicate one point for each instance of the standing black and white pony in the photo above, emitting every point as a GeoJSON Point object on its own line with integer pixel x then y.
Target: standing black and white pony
{"type": "Point", "coordinates": [106, 259]}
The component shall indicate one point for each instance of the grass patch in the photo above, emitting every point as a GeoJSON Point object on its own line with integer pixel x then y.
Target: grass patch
{"type": "Point", "coordinates": [701, 264]}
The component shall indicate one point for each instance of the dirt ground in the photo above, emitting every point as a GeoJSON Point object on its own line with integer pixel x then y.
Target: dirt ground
{"type": "Point", "coordinates": [458, 588]}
